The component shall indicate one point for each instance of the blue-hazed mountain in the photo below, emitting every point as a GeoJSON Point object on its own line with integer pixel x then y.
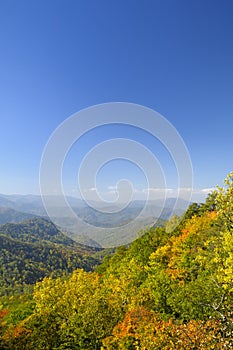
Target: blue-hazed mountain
{"type": "Point", "coordinates": [33, 204]}
{"type": "Point", "coordinates": [12, 215]}
{"type": "Point", "coordinates": [103, 223]}
{"type": "Point", "coordinates": [97, 224]}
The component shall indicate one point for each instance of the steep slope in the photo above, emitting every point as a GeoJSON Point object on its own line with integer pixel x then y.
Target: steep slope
{"type": "Point", "coordinates": [31, 250]}
{"type": "Point", "coordinates": [38, 228]}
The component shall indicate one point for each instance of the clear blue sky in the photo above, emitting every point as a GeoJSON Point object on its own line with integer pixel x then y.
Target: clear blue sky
{"type": "Point", "coordinates": [58, 57]}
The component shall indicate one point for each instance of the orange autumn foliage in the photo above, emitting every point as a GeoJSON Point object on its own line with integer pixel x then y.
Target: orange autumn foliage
{"type": "Point", "coordinates": [177, 253]}
{"type": "Point", "coordinates": [144, 330]}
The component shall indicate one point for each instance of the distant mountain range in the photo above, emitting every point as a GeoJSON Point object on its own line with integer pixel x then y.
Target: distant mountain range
{"type": "Point", "coordinates": [32, 246]}
{"type": "Point", "coordinates": [11, 215]}
{"type": "Point", "coordinates": [105, 226]}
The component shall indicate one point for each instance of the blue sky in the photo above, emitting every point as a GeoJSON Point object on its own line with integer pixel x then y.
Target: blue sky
{"type": "Point", "coordinates": [58, 57]}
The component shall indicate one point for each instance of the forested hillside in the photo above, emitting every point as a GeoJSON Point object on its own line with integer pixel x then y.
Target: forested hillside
{"type": "Point", "coordinates": [172, 288]}
{"type": "Point", "coordinates": [36, 248]}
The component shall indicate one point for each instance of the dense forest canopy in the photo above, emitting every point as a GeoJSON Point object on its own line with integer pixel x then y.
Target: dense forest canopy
{"type": "Point", "coordinates": [36, 248]}
{"type": "Point", "coordinates": [172, 288]}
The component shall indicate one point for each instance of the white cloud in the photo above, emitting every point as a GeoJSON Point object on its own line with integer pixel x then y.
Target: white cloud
{"type": "Point", "coordinates": [91, 189]}
{"type": "Point", "coordinates": [208, 190]}
{"type": "Point", "coordinates": [112, 189]}
{"type": "Point", "coordinates": [156, 190]}
{"type": "Point", "coordinates": [152, 193]}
